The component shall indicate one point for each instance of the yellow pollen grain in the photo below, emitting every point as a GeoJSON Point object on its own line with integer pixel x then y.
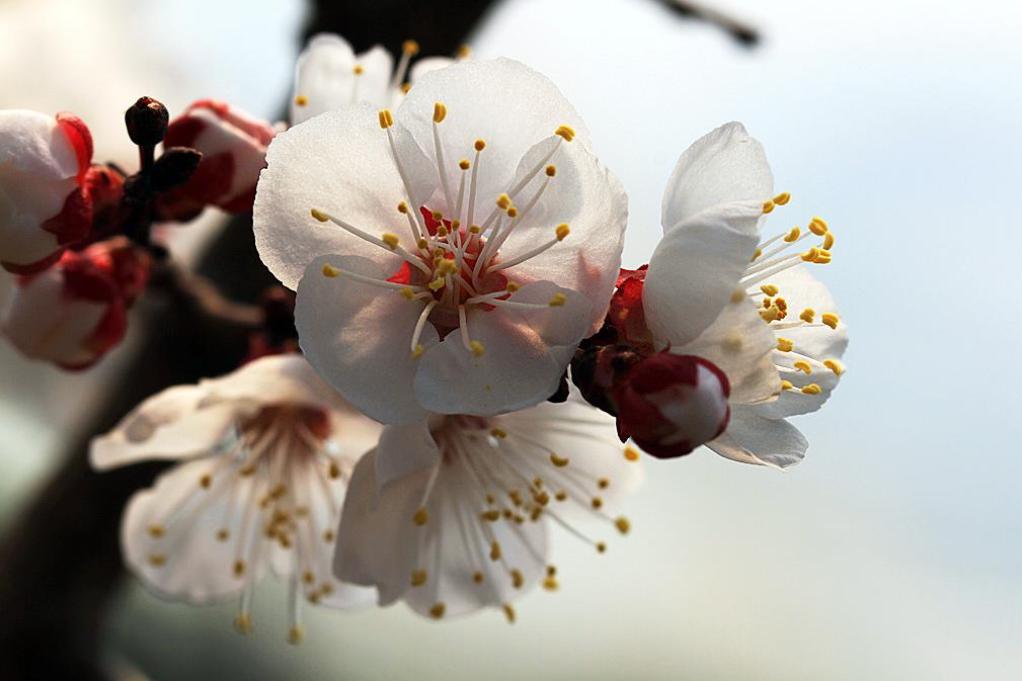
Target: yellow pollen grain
{"type": "Point", "coordinates": [421, 517]}
{"type": "Point", "coordinates": [358, 70]}
{"type": "Point", "coordinates": [769, 289]}
{"type": "Point", "coordinates": [808, 315]}
{"type": "Point", "coordinates": [785, 344]}
{"type": "Point", "coordinates": [517, 579]}
{"type": "Point", "coordinates": [437, 611]}
{"type": "Point", "coordinates": [565, 132]}
{"type": "Point", "coordinates": [782, 199]}
{"type": "Point", "coordinates": [439, 112]}
{"type": "Point", "coordinates": [551, 170]}
{"type": "Point", "coordinates": [295, 635]}
{"type": "Point", "coordinates": [464, 164]}
{"type": "Point", "coordinates": [301, 100]}
{"type": "Point", "coordinates": [330, 271]}
{"type": "Point", "coordinates": [803, 366]}
{"type": "Point", "coordinates": [787, 385]}
{"type": "Point", "coordinates": [559, 461]}
{"type": "Point", "coordinates": [622, 524]}
{"type": "Point", "coordinates": [391, 240]}
{"type": "Point", "coordinates": [418, 577]}
{"type": "Point", "coordinates": [477, 348]}
{"type": "Point", "coordinates": [812, 389]}
{"type": "Point", "coordinates": [768, 206]}
{"type": "Point", "coordinates": [243, 623]}
{"type": "Point", "coordinates": [495, 551]}
{"type": "Point", "coordinates": [558, 300]}
{"type": "Point", "coordinates": [830, 319]}
{"type": "Point", "coordinates": [631, 454]}
{"type": "Point", "coordinates": [793, 235]}
{"type": "Point", "coordinates": [562, 231]}
{"type": "Point", "coordinates": [480, 145]}
{"type": "Point", "coordinates": [509, 613]}
{"type": "Point", "coordinates": [386, 119]}
{"type": "Point", "coordinates": [834, 365]}
{"type": "Point", "coordinates": [410, 47]}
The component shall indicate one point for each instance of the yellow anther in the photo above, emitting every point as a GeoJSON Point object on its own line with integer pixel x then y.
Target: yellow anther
{"type": "Point", "coordinates": [301, 100]}
{"type": "Point", "coordinates": [223, 534]}
{"type": "Point", "coordinates": [422, 244]}
{"type": "Point", "coordinates": [603, 483]}
{"type": "Point", "coordinates": [439, 112]}
{"type": "Point", "coordinates": [781, 304]}
{"type": "Point", "coordinates": [498, 433]}
{"type": "Point", "coordinates": [421, 517]}
{"type": "Point", "coordinates": [768, 206]}
{"type": "Point", "coordinates": [551, 170]}
{"type": "Point", "coordinates": [808, 315]}
{"type": "Point", "coordinates": [492, 515]}
{"type": "Point", "coordinates": [834, 365]}
{"type": "Point", "coordinates": [408, 293]}
{"type": "Point", "coordinates": [477, 577]}
{"type": "Point", "coordinates": [803, 366]}
{"type": "Point", "coordinates": [787, 385]}
{"type": "Point", "coordinates": [319, 215]}
{"type": "Point", "coordinates": [517, 579]}
{"type": "Point", "coordinates": [328, 536]}
{"type": "Point", "coordinates": [477, 348]}
{"type": "Point", "coordinates": [386, 118]}
{"type": "Point", "coordinates": [334, 470]}
{"type": "Point", "coordinates": [156, 531]}
{"type": "Point", "coordinates": [157, 559]}
{"type": "Point", "coordinates": [436, 284]}
{"type": "Point", "coordinates": [812, 389]}
{"type": "Point", "coordinates": [402, 207]}
{"type": "Point", "coordinates": [410, 47]}
{"type": "Point", "coordinates": [566, 132]}
{"type": "Point", "coordinates": [463, 52]}
{"type": "Point", "coordinates": [622, 524]}
{"type": "Point", "coordinates": [755, 256]}
{"type": "Point", "coordinates": [561, 495]}
{"type": "Point", "coordinates": [596, 502]}
{"type": "Point", "coordinates": [562, 231]}
{"type": "Point", "coordinates": [550, 584]}
{"type": "Point", "coordinates": [512, 287]}
{"type": "Point", "coordinates": [447, 266]}
{"type": "Point", "coordinates": [785, 344]}
{"type": "Point", "coordinates": [811, 254]}
{"type": "Point", "coordinates": [480, 145]}
{"type": "Point", "coordinates": [631, 454]}
{"type": "Point", "coordinates": [238, 568]}
{"type": "Point", "coordinates": [437, 611]}
{"type": "Point", "coordinates": [391, 240]}
{"type": "Point", "coordinates": [737, 296]}
{"type": "Point", "coordinates": [509, 613]}
{"type": "Point", "coordinates": [769, 289]}
{"type": "Point", "coordinates": [793, 235]}
{"type": "Point", "coordinates": [828, 241]}
{"type": "Point", "coordinates": [495, 551]}
{"type": "Point", "coordinates": [358, 70]}
{"type": "Point", "coordinates": [475, 229]}
{"type": "Point", "coordinates": [601, 547]}
{"type": "Point", "coordinates": [830, 319]}
{"type": "Point", "coordinates": [308, 577]}
{"type": "Point", "coordinates": [295, 635]}
{"type": "Point", "coordinates": [558, 300]}
{"type": "Point", "coordinates": [782, 198]}
{"type": "Point", "coordinates": [559, 461]}
{"type": "Point", "coordinates": [771, 314]}
{"type": "Point", "coordinates": [418, 577]}
{"type": "Point", "coordinates": [405, 87]}
{"type": "Point", "coordinates": [512, 212]}
{"type": "Point", "coordinates": [464, 164]}
{"type": "Point", "coordinates": [819, 226]}
{"type": "Point", "coordinates": [503, 201]}
{"type": "Point", "coordinates": [205, 481]}
{"type": "Point", "coordinates": [243, 623]}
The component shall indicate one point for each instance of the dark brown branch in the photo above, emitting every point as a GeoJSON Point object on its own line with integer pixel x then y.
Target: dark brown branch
{"type": "Point", "coordinates": [740, 31]}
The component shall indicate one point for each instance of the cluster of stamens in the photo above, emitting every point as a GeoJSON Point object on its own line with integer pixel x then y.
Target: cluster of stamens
{"type": "Point", "coordinates": [508, 477]}
{"type": "Point", "coordinates": [452, 262]}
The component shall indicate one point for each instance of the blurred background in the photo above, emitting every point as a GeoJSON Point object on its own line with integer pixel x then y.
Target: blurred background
{"type": "Point", "coordinates": [894, 551]}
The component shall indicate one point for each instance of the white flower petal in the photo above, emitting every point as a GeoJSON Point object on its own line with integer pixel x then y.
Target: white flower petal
{"type": "Point", "coordinates": [696, 269]}
{"type": "Point", "coordinates": [169, 425]}
{"type": "Point", "coordinates": [750, 438]}
{"type": "Point", "coordinates": [723, 166]}
{"type": "Point", "coordinates": [741, 344]}
{"type": "Point", "coordinates": [377, 543]}
{"type": "Point", "coordinates": [801, 290]}
{"type": "Point", "coordinates": [287, 378]}
{"type": "Point", "coordinates": [324, 77]}
{"type": "Point", "coordinates": [374, 83]}
{"type": "Point", "coordinates": [505, 103]}
{"type": "Point", "coordinates": [358, 337]}
{"type": "Point", "coordinates": [339, 163]}
{"type": "Point", "coordinates": [404, 450]}
{"type": "Point", "coordinates": [428, 65]}
{"type": "Point", "coordinates": [522, 362]}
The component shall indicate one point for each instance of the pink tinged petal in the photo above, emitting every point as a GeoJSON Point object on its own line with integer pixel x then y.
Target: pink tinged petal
{"type": "Point", "coordinates": [404, 450]}
{"type": "Point", "coordinates": [339, 163]}
{"type": "Point", "coordinates": [591, 201]}
{"type": "Point", "coordinates": [725, 166]}
{"type": "Point", "coordinates": [695, 270]}
{"type": "Point", "coordinates": [750, 438]}
{"type": "Point", "coordinates": [377, 543]}
{"type": "Point", "coordinates": [741, 345]}
{"type": "Point", "coordinates": [187, 560]}
{"type": "Point", "coordinates": [524, 355]}
{"type": "Point", "coordinates": [358, 338]}
{"type": "Point", "coordinates": [501, 101]}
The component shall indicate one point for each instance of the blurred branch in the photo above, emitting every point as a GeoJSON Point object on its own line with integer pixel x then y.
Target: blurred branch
{"type": "Point", "coordinates": [740, 31]}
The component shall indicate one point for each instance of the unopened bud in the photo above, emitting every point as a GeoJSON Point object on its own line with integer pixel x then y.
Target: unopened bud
{"type": "Point", "coordinates": [146, 121]}
{"type": "Point", "coordinates": [174, 168]}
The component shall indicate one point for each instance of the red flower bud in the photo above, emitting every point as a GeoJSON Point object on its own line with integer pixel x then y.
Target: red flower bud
{"type": "Point", "coordinates": [233, 147]}
{"type": "Point", "coordinates": [670, 404]}
{"type": "Point", "coordinates": [626, 314]}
